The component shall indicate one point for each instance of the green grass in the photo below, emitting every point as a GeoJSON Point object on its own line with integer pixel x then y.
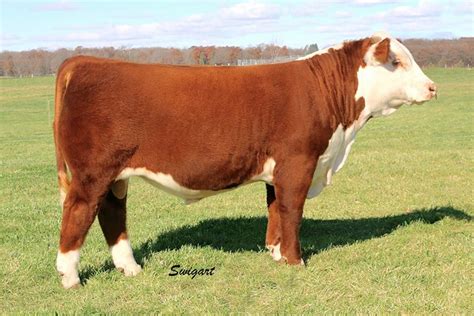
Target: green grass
{"type": "Point", "coordinates": [392, 234]}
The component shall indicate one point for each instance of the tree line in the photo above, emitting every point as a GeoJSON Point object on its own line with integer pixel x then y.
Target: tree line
{"type": "Point", "coordinates": [43, 62]}
{"type": "Point", "coordinates": [37, 62]}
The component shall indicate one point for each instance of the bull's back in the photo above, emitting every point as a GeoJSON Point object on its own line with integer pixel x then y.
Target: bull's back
{"type": "Point", "coordinates": [182, 97]}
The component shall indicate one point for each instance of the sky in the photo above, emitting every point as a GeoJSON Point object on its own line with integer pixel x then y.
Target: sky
{"type": "Point", "coordinates": [30, 24]}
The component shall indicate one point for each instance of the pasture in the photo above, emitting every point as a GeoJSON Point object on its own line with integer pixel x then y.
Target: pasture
{"type": "Point", "coordinates": [393, 233]}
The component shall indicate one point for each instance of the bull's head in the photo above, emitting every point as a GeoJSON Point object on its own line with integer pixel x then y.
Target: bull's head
{"type": "Point", "coordinates": [391, 77]}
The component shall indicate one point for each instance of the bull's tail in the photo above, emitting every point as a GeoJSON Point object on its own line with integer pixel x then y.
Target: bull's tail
{"type": "Point", "coordinates": [62, 81]}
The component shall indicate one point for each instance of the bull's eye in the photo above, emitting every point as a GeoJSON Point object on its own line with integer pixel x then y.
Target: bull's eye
{"type": "Point", "coordinates": [396, 63]}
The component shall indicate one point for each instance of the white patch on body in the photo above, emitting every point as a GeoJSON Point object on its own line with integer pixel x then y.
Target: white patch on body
{"type": "Point", "coordinates": [335, 155]}
{"type": "Point", "coordinates": [62, 186]}
{"type": "Point", "coordinates": [122, 256]}
{"type": "Point", "coordinates": [62, 196]}
{"type": "Point", "coordinates": [327, 162]}
{"type": "Point", "coordinates": [322, 51]}
{"type": "Point", "coordinates": [267, 173]}
{"type": "Point", "coordinates": [66, 264]}
{"type": "Point", "coordinates": [167, 183]}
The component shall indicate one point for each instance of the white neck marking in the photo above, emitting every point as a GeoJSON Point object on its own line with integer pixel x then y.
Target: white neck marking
{"type": "Point", "coordinates": [335, 155]}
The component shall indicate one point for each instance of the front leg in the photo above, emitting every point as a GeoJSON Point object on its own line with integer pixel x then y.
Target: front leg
{"type": "Point", "coordinates": [292, 180]}
{"type": "Point", "coordinates": [273, 236]}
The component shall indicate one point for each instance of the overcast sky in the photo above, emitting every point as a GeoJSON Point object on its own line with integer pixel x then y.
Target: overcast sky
{"type": "Point", "coordinates": [27, 24]}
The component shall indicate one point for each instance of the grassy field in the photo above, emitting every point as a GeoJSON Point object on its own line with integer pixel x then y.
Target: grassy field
{"type": "Point", "coordinates": [392, 234]}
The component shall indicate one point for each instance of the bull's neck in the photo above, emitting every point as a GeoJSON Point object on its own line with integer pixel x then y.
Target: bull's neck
{"type": "Point", "coordinates": [335, 73]}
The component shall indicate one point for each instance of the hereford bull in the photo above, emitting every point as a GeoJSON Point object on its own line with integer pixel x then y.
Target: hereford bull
{"type": "Point", "coordinates": [198, 131]}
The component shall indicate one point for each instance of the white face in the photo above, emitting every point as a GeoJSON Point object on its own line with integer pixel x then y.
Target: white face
{"type": "Point", "coordinates": [388, 84]}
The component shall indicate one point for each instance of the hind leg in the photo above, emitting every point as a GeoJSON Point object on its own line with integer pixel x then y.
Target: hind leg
{"type": "Point", "coordinates": [112, 219]}
{"type": "Point", "coordinates": [79, 211]}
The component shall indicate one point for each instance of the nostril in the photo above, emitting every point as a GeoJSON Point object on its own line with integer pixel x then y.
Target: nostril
{"type": "Point", "coordinates": [432, 89]}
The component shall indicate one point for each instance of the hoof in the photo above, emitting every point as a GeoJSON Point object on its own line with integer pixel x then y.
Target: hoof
{"type": "Point", "coordinates": [131, 269]}
{"type": "Point", "coordinates": [122, 256]}
{"type": "Point", "coordinates": [296, 263]}
{"type": "Point", "coordinates": [70, 281]}
{"type": "Point", "coordinates": [277, 256]}
{"type": "Point", "coordinates": [66, 265]}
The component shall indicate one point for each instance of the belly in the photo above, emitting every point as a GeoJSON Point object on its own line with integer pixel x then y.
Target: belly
{"type": "Point", "coordinates": [167, 183]}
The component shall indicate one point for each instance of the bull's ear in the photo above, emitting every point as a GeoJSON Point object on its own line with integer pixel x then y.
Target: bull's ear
{"type": "Point", "coordinates": [382, 51]}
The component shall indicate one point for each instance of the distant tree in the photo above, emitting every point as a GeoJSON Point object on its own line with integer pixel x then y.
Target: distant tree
{"type": "Point", "coordinates": [188, 56]}
{"type": "Point", "coordinates": [311, 48]}
{"type": "Point", "coordinates": [253, 53]}
{"type": "Point", "coordinates": [234, 55]}
{"type": "Point", "coordinates": [38, 62]}
{"type": "Point", "coordinates": [221, 56]}
{"type": "Point", "coordinates": [202, 58]}
{"type": "Point", "coordinates": [143, 55]}
{"type": "Point", "coordinates": [209, 53]}
{"type": "Point", "coordinates": [196, 54]}
{"type": "Point", "coordinates": [442, 52]}
{"type": "Point", "coordinates": [108, 52]}
{"type": "Point", "coordinates": [203, 55]}
{"type": "Point", "coordinates": [270, 51]}
{"type": "Point", "coordinates": [78, 50]}
{"type": "Point", "coordinates": [57, 58]}
{"type": "Point", "coordinates": [176, 56]}
{"type": "Point", "coordinates": [8, 66]}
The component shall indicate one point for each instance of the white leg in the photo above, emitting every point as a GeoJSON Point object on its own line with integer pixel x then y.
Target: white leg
{"type": "Point", "coordinates": [276, 254]}
{"type": "Point", "coordinates": [275, 251]}
{"type": "Point", "coordinates": [122, 256]}
{"type": "Point", "coordinates": [66, 264]}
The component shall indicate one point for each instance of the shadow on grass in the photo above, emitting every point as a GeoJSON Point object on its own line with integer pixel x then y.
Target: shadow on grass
{"type": "Point", "coordinates": [248, 234]}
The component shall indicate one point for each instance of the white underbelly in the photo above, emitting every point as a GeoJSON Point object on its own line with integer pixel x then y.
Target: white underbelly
{"type": "Point", "coordinates": [167, 183]}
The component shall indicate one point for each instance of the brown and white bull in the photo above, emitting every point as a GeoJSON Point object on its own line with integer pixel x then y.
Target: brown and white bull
{"type": "Point", "coordinates": [198, 131]}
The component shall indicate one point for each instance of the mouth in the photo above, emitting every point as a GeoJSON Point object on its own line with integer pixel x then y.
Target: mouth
{"type": "Point", "coordinates": [429, 97]}
{"type": "Point", "coordinates": [419, 102]}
